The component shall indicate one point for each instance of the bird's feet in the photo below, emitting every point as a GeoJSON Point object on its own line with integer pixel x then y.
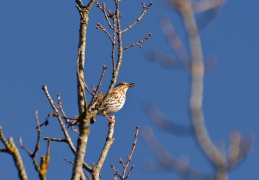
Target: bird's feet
{"type": "Point", "coordinates": [110, 118]}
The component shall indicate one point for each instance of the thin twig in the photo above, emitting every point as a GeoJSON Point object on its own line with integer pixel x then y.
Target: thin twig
{"type": "Point", "coordinates": [116, 70]}
{"type": "Point", "coordinates": [139, 43]}
{"type": "Point", "coordinates": [124, 176]}
{"type": "Point", "coordinates": [61, 108]}
{"type": "Point", "coordinates": [55, 139]}
{"type": "Point", "coordinates": [116, 172]}
{"type": "Point", "coordinates": [42, 169]}
{"type": "Point", "coordinates": [100, 80]}
{"type": "Point", "coordinates": [107, 16]}
{"type": "Point", "coordinates": [145, 8]}
{"type": "Point", "coordinates": [63, 127]}
{"type": "Point", "coordinates": [114, 44]}
{"type": "Point", "coordinates": [69, 161]}
{"type": "Point", "coordinates": [101, 28]}
{"type": "Point", "coordinates": [130, 156]}
{"type": "Point", "coordinates": [96, 90]}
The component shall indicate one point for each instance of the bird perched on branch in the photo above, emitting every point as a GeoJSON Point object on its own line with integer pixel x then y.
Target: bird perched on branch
{"type": "Point", "coordinates": [113, 102]}
{"type": "Point", "coordinates": [106, 106]}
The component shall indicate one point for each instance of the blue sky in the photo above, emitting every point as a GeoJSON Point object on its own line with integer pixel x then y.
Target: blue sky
{"type": "Point", "coordinates": [39, 46]}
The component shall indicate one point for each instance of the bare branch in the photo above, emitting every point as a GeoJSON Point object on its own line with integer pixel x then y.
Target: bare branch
{"type": "Point", "coordinates": [55, 139]}
{"type": "Point", "coordinates": [106, 148]}
{"type": "Point", "coordinates": [84, 119]}
{"type": "Point", "coordinates": [60, 107]}
{"type": "Point", "coordinates": [82, 175]}
{"type": "Point", "coordinates": [63, 127]}
{"type": "Point", "coordinates": [79, 3]}
{"type": "Point", "coordinates": [100, 81]}
{"type": "Point", "coordinates": [64, 130]}
{"type": "Point", "coordinates": [90, 5]}
{"type": "Point", "coordinates": [11, 149]}
{"type": "Point", "coordinates": [69, 161]}
{"type": "Point", "coordinates": [197, 74]}
{"type": "Point", "coordinates": [118, 32]}
{"type": "Point", "coordinates": [130, 156]}
{"type": "Point", "coordinates": [116, 172]}
{"type": "Point", "coordinates": [145, 8]}
{"type": "Point", "coordinates": [124, 176]}
{"type": "Point", "coordinates": [139, 43]}
{"type": "Point", "coordinates": [101, 28]}
{"type": "Point", "coordinates": [96, 90]}
{"type": "Point", "coordinates": [42, 169]}
{"type": "Point", "coordinates": [107, 16]}
{"type": "Point", "coordinates": [114, 44]}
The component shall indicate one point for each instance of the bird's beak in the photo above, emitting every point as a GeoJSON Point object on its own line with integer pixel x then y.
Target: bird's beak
{"type": "Point", "coordinates": [130, 85]}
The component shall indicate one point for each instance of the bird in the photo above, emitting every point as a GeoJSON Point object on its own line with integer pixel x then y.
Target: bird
{"type": "Point", "coordinates": [107, 106]}
{"type": "Point", "coordinates": [113, 102]}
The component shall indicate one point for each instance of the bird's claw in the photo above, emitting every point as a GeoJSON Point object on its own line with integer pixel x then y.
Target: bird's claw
{"type": "Point", "coordinates": [111, 120]}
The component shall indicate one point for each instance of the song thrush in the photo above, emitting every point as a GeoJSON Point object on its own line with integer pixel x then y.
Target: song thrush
{"type": "Point", "coordinates": [114, 102]}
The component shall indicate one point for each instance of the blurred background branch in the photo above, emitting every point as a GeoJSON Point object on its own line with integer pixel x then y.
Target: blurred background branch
{"type": "Point", "coordinates": [195, 65]}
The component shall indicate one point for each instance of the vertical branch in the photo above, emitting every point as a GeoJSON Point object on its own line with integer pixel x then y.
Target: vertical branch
{"type": "Point", "coordinates": [118, 31]}
{"type": "Point", "coordinates": [197, 75]}
{"type": "Point", "coordinates": [114, 44]}
{"type": "Point", "coordinates": [83, 119]}
{"type": "Point", "coordinates": [81, 60]}
{"type": "Point", "coordinates": [117, 50]}
{"type": "Point", "coordinates": [106, 148]}
{"type": "Point", "coordinates": [117, 35]}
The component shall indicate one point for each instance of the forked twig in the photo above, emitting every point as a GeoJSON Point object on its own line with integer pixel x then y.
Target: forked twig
{"type": "Point", "coordinates": [125, 175]}
{"type": "Point", "coordinates": [101, 28]}
{"type": "Point", "coordinates": [42, 169]}
{"type": "Point", "coordinates": [11, 149]}
{"type": "Point", "coordinates": [107, 16]}
{"type": "Point", "coordinates": [139, 43]}
{"type": "Point", "coordinates": [63, 127]}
